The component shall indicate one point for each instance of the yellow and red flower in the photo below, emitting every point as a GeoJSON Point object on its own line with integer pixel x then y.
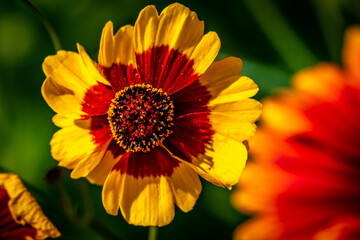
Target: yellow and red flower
{"type": "Point", "coordinates": [153, 114]}
{"type": "Point", "coordinates": [304, 181]}
{"type": "Point", "coordinates": [20, 214]}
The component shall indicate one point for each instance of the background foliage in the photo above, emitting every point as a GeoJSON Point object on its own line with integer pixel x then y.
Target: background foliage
{"type": "Point", "coordinates": [274, 38]}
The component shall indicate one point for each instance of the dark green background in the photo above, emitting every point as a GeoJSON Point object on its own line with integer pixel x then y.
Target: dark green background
{"type": "Point", "coordinates": [274, 38]}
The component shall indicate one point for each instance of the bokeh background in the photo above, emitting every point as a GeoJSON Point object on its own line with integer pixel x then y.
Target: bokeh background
{"type": "Point", "coordinates": [275, 38]}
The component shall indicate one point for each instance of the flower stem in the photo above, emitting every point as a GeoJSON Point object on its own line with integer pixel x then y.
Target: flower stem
{"type": "Point", "coordinates": [54, 37]}
{"type": "Point", "coordinates": [102, 230]}
{"type": "Point", "coordinates": [66, 203]}
{"type": "Point", "coordinates": [88, 215]}
{"type": "Point", "coordinates": [152, 233]}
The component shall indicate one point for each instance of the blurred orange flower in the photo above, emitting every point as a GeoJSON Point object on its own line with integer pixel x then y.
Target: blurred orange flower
{"type": "Point", "coordinates": [304, 182]}
{"type": "Point", "coordinates": [20, 214]}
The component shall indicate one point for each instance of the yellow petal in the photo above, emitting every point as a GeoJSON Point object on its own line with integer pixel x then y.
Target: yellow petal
{"type": "Point", "coordinates": [91, 67]}
{"type": "Point", "coordinates": [179, 28]}
{"type": "Point", "coordinates": [232, 112]}
{"type": "Point", "coordinates": [69, 76]}
{"type": "Point", "coordinates": [103, 168]}
{"type": "Point", "coordinates": [221, 74]}
{"type": "Point", "coordinates": [24, 208]}
{"type": "Point", "coordinates": [186, 187]}
{"type": "Point", "coordinates": [64, 121]}
{"type": "Point", "coordinates": [62, 100]}
{"type": "Point", "coordinates": [223, 161]}
{"type": "Point", "coordinates": [145, 29]}
{"type": "Point", "coordinates": [205, 52]}
{"type": "Point", "coordinates": [118, 48]}
{"type": "Point", "coordinates": [51, 63]}
{"type": "Point", "coordinates": [223, 82]}
{"type": "Point", "coordinates": [235, 120]}
{"type": "Point", "coordinates": [71, 145]}
{"type": "Point", "coordinates": [86, 165]}
{"type": "Point", "coordinates": [112, 192]}
{"type": "Point", "coordinates": [241, 88]}
{"type": "Point", "coordinates": [144, 201]}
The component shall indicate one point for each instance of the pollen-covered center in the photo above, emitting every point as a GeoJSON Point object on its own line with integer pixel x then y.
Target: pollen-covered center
{"type": "Point", "coordinates": [140, 117]}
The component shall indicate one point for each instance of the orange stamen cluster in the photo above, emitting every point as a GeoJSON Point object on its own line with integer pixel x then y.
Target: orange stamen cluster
{"type": "Point", "coordinates": [140, 117]}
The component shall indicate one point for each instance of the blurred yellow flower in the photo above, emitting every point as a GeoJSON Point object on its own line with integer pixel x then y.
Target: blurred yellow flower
{"type": "Point", "coordinates": [153, 114]}
{"type": "Point", "coordinates": [304, 180]}
{"type": "Point", "coordinates": [20, 214]}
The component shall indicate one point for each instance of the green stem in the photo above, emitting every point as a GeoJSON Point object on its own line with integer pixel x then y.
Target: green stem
{"type": "Point", "coordinates": [152, 233]}
{"type": "Point", "coordinates": [54, 37]}
{"type": "Point", "coordinates": [86, 200]}
{"type": "Point", "coordinates": [103, 231]}
{"type": "Point", "coordinates": [281, 34]}
{"type": "Point", "coordinates": [67, 206]}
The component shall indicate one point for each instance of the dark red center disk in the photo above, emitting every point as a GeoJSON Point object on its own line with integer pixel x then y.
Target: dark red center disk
{"type": "Point", "coordinates": [140, 117]}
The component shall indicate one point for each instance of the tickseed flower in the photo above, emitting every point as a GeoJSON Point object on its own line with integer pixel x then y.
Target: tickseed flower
{"type": "Point", "coordinates": [20, 215]}
{"type": "Point", "coordinates": [304, 181]}
{"type": "Point", "coordinates": [153, 114]}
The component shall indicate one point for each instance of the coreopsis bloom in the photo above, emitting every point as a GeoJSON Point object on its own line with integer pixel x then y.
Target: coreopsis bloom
{"type": "Point", "coordinates": [304, 182]}
{"type": "Point", "coordinates": [153, 114]}
{"type": "Point", "coordinates": [20, 215]}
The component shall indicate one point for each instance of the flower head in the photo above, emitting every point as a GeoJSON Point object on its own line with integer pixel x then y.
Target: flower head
{"type": "Point", "coordinates": [304, 181]}
{"type": "Point", "coordinates": [153, 114]}
{"type": "Point", "coordinates": [20, 214]}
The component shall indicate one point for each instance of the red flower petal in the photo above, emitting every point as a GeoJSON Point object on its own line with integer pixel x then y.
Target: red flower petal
{"type": "Point", "coordinates": [160, 67]}
{"type": "Point", "coordinates": [97, 100]}
{"type": "Point", "coordinates": [192, 129]}
{"type": "Point", "coordinates": [191, 99]}
{"type": "Point", "coordinates": [166, 68]}
{"type": "Point", "coordinates": [100, 129]}
{"type": "Point", "coordinates": [191, 132]}
{"type": "Point", "coordinates": [115, 149]}
{"type": "Point", "coordinates": [120, 75]}
{"type": "Point", "coordinates": [157, 162]}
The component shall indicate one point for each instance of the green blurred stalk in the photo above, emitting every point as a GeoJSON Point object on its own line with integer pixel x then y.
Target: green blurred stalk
{"type": "Point", "coordinates": [102, 230]}
{"type": "Point", "coordinates": [83, 190]}
{"type": "Point", "coordinates": [280, 33]}
{"type": "Point", "coordinates": [331, 23]}
{"type": "Point", "coordinates": [67, 206]}
{"type": "Point", "coordinates": [153, 232]}
{"type": "Point", "coordinates": [54, 37]}
{"type": "Point", "coordinates": [88, 219]}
